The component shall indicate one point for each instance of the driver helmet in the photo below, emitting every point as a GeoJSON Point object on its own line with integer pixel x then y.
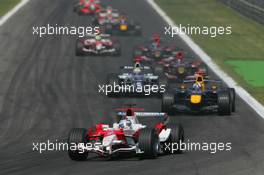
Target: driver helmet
{"type": "Point", "coordinates": [197, 86]}
{"type": "Point", "coordinates": [125, 124]}
{"type": "Point", "coordinates": [98, 37]}
{"type": "Point", "coordinates": [123, 18]}
{"type": "Point", "coordinates": [129, 112]}
{"type": "Point", "coordinates": [154, 45]}
{"type": "Point", "coordinates": [156, 39]}
{"type": "Point", "coordinates": [109, 10]}
{"type": "Point", "coordinates": [137, 68]}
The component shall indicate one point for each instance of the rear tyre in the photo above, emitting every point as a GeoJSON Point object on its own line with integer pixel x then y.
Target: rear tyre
{"type": "Point", "coordinates": [117, 47]}
{"type": "Point", "coordinates": [77, 136]}
{"type": "Point", "coordinates": [108, 29]}
{"type": "Point", "coordinates": [138, 30]}
{"type": "Point", "coordinates": [163, 81]}
{"type": "Point", "coordinates": [176, 137]}
{"type": "Point", "coordinates": [167, 102]}
{"type": "Point", "coordinates": [149, 143]}
{"type": "Point", "coordinates": [224, 103]}
{"type": "Point", "coordinates": [79, 48]}
{"type": "Point", "coordinates": [233, 99]}
{"type": "Point", "coordinates": [158, 69]}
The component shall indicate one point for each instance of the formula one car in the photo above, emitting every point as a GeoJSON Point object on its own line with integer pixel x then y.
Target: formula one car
{"type": "Point", "coordinates": [204, 95]}
{"type": "Point", "coordinates": [175, 68]}
{"type": "Point", "coordinates": [88, 7]}
{"type": "Point", "coordinates": [127, 135]}
{"type": "Point", "coordinates": [154, 50]}
{"type": "Point", "coordinates": [124, 26]}
{"type": "Point", "coordinates": [106, 16]}
{"type": "Point", "coordinates": [137, 80]}
{"type": "Point", "coordinates": [100, 44]}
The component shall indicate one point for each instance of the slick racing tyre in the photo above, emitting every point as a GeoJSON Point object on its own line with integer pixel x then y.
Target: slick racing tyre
{"type": "Point", "coordinates": [158, 69]}
{"type": "Point", "coordinates": [108, 29]}
{"type": "Point", "coordinates": [233, 99]}
{"type": "Point", "coordinates": [167, 102]}
{"type": "Point", "coordinates": [224, 103]}
{"type": "Point", "coordinates": [138, 30]}
{"type": "Point", "coordinates": [163, 82]}
{"type": "Point", "coordinates": [95, 20]}
{"type": "Point", "coordinates": [76, 8]}
{"type": "Point", "coordinates": [112, 79]}
{"type": "Point", "coordinates": [148, 142]}
{"type": "Point", "coordinates": [79, 48]}
{"type": "Point", "coordinates": [175, 139]}
{"type": "Point", "coordinates": [77, 136]}
{"type": "Point", "coordinates": [117, 47]}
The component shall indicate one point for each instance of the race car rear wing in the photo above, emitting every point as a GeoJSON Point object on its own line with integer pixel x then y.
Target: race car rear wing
{"type": "Point", "coordinates": [145, 114]}
{"type": "Point", "coordinates": [205, 80]}
{"type": "Point", "coordinates": [131, 67]}
{"type": "Point", "coordinates": [138, 112]}
{"type": "Point", "coordinates": [150, 114]}
{"type": "Point", "coordinates": [94, 35]}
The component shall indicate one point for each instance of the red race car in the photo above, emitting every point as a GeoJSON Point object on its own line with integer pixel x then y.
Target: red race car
{"type": "Point", "coordinates": [127, 135]}
{"type": "Point", "coordinates": [154, 50]}
{"type": "Point", "coordinates": [106, 16]}
{"type": "Point", "coordinates": [88, 7]}
{"type": "Point", "coordinates": [177, 68]}
{"type": "Point", "coordinates": [170, 62]}
{"type": "Point", "coordinates": [100, 44]}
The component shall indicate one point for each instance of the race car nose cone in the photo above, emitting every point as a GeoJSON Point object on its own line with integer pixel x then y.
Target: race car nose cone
{"type": "Point", "coordinates": [181, 70]}
{"type": "Point", "coordinates": [195, 99]}
{"type": "Point", "coordinates": [123, 27]}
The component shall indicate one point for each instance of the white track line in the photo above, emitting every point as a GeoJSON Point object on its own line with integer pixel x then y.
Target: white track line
{"type": "Point", "coordinates": [252, 102]}
{"type": "Point", "coordinates": [9, 14]}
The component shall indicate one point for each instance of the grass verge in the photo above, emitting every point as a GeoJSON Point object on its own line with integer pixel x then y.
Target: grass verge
{"type": "Point", "coordinates": [6, 5]}
{"type": "Point", "coordinates": [245, 43]}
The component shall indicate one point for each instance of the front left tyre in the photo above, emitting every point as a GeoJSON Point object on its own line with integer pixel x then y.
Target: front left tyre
{"type": "Point", "coordinates": [77, 136]}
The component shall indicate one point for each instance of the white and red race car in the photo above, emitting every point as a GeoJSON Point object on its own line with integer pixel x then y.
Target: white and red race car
{"type": "Point", "coordinates": [100, 44]}
{"type": "Point", "coordinates": [88, 7]}
{"type": "Point", "coordinates": [106, 16]}
{"type": "Point", "coordinates": [127, 135]}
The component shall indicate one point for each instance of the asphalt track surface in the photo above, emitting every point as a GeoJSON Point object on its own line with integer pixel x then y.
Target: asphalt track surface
{"type": "Point", "coordinates": [45, 91]}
